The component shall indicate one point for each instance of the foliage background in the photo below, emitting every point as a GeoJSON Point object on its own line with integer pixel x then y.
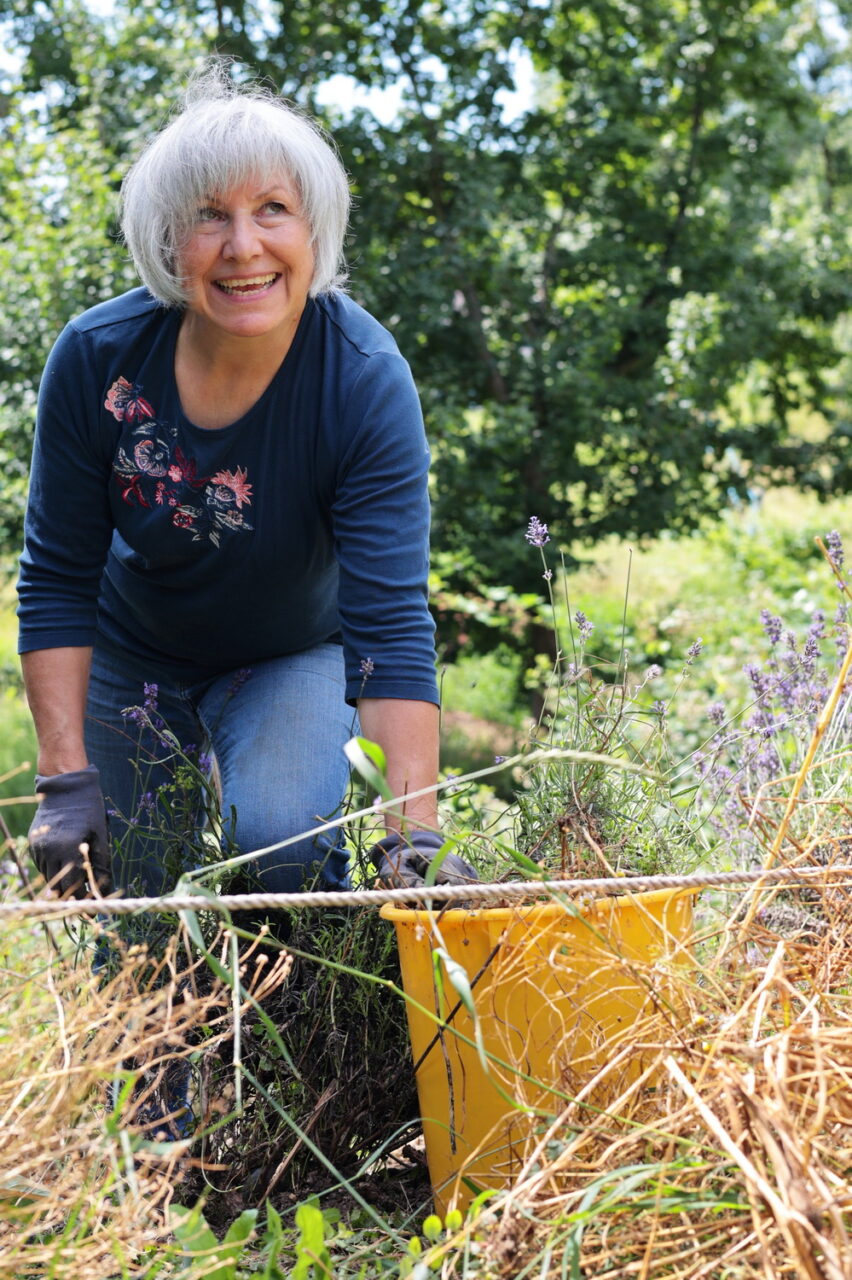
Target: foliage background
{"type": "Point", "coordinates": [622, 289]}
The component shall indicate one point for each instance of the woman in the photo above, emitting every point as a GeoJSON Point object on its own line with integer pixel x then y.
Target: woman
{"type": "Point", "coordinates": [228, 516]}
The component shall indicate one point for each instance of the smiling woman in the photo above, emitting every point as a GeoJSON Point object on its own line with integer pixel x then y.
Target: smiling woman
{"type": "Point", "coordinates": [223, 141]}
{"type": "Point", "coordinates": [246, 270]}
{"type": "Point", "coordinates": [230, 475]}
{"type": "Point", "coordinates": [251, 247]}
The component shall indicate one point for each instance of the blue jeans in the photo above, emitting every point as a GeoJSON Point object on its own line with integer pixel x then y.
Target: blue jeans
{"type": "Point", "coordinates": [277, 735]}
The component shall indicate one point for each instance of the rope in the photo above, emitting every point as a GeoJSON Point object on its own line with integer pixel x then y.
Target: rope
{"type": "Point", "coordinates": [470, 895]}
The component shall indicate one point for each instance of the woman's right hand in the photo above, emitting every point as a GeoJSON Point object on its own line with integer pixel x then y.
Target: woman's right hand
{"type": "Point", "coordinates": [70, 831]}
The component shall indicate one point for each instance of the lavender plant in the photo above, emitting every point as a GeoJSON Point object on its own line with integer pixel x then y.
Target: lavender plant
{"type": "Point", "coordinates": [178, 822]}
{"type": "Point", "coordinates": [750, 759]}
{"type": "Point", "coordinates": [595, 817]}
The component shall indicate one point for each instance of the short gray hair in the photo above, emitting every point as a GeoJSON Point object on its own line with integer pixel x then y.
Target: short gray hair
{"type": "Point", "coordinates": [225, 136]}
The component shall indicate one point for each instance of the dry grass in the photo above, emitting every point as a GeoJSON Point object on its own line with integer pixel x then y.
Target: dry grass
{"type": "Point", "coordinates": [727, 1158]}
{"type": "Point", "coordinates": [731, 1155]}
{"type": "Point", "coordinates": [84, 1185]}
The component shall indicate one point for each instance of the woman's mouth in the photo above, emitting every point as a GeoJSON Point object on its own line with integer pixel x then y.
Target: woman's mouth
{"type": "Point", "coordinates": [242, 285]}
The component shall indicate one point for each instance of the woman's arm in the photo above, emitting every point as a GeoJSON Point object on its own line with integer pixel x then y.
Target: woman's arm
{"type": "Point", "coordinates": [380, 516]}
{"type": "Point", "coordinates": [407, 732]}
{"type": "Point", "coordinates": [56, 683]}
{"type": "Point", "coordinates": [68, 836]}
{"type": "Point", "coordinates": [69, 520]}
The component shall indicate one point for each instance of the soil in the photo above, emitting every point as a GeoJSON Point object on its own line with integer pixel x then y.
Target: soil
{"type": "Point", "coordinates": [399, 1185]}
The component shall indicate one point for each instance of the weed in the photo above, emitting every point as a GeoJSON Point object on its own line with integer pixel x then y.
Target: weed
{"type": "Point", "coordinates": [336, 1067]}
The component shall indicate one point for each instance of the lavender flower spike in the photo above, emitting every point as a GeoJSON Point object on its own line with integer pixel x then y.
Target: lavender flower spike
{"type": "Point", "coordinates": [536, 534]}
{"type": "Point", "coordinates": [772, 626]}
{"type": "Point", "coordinates": [584, 627]}
{"type": "Point", "coordinates": [834, 546]}
{"type": "Point", "coordinates": [367, 667]}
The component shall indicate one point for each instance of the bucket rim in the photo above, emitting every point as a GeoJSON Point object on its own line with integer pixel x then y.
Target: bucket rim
{"type": "Point", "coordinates": [532, 910]}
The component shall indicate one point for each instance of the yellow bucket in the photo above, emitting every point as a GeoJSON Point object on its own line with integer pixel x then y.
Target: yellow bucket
{"type": "Point", "coordinates": [559, 991]}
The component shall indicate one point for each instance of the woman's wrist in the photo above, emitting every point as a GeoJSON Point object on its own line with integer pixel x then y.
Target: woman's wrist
{"type": "Point", "coordinates": [61, 757]}
{"type": "Point", "coordinates": [51, 766]}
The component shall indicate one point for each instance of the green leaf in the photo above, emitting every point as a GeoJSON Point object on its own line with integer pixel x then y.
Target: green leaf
{"type": "Point", "coordinates": [313, 1260]}
{"type": "Point", "coordinates": [240, 1231]}
{"type": "Point", "coordinates": [274, 1226]}
{"type": "Point", "coordinates": [459, 980]}
{"type": "Point", "coordinates": [368, 760]}
{"type": "Point", "coordinates": [199, 1244]}
{"type": "Point", "coordinates": [438, 979]}
{"type": "Point", "coordinates": [461, 985]}
{"type": "Point", "coordinates": [526, 864]}
{"type": "Point", "coordinates": [272, 1244]}
{"type": "Point", "coordinates": [437, 861]}
{"type": "Point", "coordinates": [432, 1227]}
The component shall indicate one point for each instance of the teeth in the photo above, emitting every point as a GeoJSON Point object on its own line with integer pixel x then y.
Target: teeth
{"type": "Point", "coordinates": [251, 282]}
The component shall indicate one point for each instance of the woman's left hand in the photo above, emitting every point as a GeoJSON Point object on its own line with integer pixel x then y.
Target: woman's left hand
{"type": "Point", "coordinates": [403, 861]}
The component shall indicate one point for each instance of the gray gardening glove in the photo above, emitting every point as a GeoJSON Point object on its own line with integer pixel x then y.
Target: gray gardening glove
{"type": "Point", "coordinates": [402, 862]}
{"type": "Point", "coordinates": [71, 813]}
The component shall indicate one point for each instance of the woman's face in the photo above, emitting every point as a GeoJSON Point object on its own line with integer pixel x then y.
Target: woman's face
{"type": "Point", "coordinates": [248, 263]}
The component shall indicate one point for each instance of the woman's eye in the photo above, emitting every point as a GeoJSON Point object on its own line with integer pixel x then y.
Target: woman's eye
{"type": "Point", "coordinates": [274, 207]}
{"type": "Point", "coordinates": [209, 214]}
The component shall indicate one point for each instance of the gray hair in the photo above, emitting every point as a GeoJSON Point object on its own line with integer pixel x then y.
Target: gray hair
{"type": "Point", "coordinates": [226, 136]}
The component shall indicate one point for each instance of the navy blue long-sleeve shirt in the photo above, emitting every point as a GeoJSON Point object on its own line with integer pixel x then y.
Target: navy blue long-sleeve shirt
{"type": "Point", "coordinates": [305, 521]}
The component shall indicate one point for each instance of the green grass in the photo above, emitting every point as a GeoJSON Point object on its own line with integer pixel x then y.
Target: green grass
{"type": "Point", "coordinates": [712, 584]}
{"type": "Point", "coordinates": [485, 686]}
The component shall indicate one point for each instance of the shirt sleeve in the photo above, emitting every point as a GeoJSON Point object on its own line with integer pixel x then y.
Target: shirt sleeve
{"type": "Point", "coordinates": [380, 517]}
{"type": "Point", "coordinates": [68, 523]}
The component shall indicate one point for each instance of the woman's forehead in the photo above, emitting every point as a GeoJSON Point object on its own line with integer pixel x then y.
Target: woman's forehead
{"type": "Point", "coordinates": [256, 188]}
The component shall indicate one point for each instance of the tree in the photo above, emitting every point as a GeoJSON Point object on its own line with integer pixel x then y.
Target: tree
{"type": "Point", "coordinates": [87, 89]}
{"type": "Point", "coordinates": [586, 287]}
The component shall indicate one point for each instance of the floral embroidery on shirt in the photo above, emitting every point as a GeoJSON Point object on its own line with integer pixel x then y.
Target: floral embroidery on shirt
{"type": "Point", "coordinates": [236, 482]}
{"type": "Point", "coordinates": [126, 403]}
{"type": "Point", "coordinates": [224, 494]}
{"type": "Point", "coordinates": [152, 470]}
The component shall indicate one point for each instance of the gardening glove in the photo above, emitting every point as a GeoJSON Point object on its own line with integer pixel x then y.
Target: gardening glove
{"type": "Point", "coordinates": [402, 861]}
{"type": "Point", "coordinates": [71, 813]}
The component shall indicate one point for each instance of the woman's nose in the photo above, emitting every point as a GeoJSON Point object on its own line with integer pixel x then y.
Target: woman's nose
{"type": "Point", "coordinates": [241, 238]}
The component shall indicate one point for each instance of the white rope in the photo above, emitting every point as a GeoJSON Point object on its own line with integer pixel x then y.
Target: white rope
{"type": "Point", "coordinates": [437, 896]}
